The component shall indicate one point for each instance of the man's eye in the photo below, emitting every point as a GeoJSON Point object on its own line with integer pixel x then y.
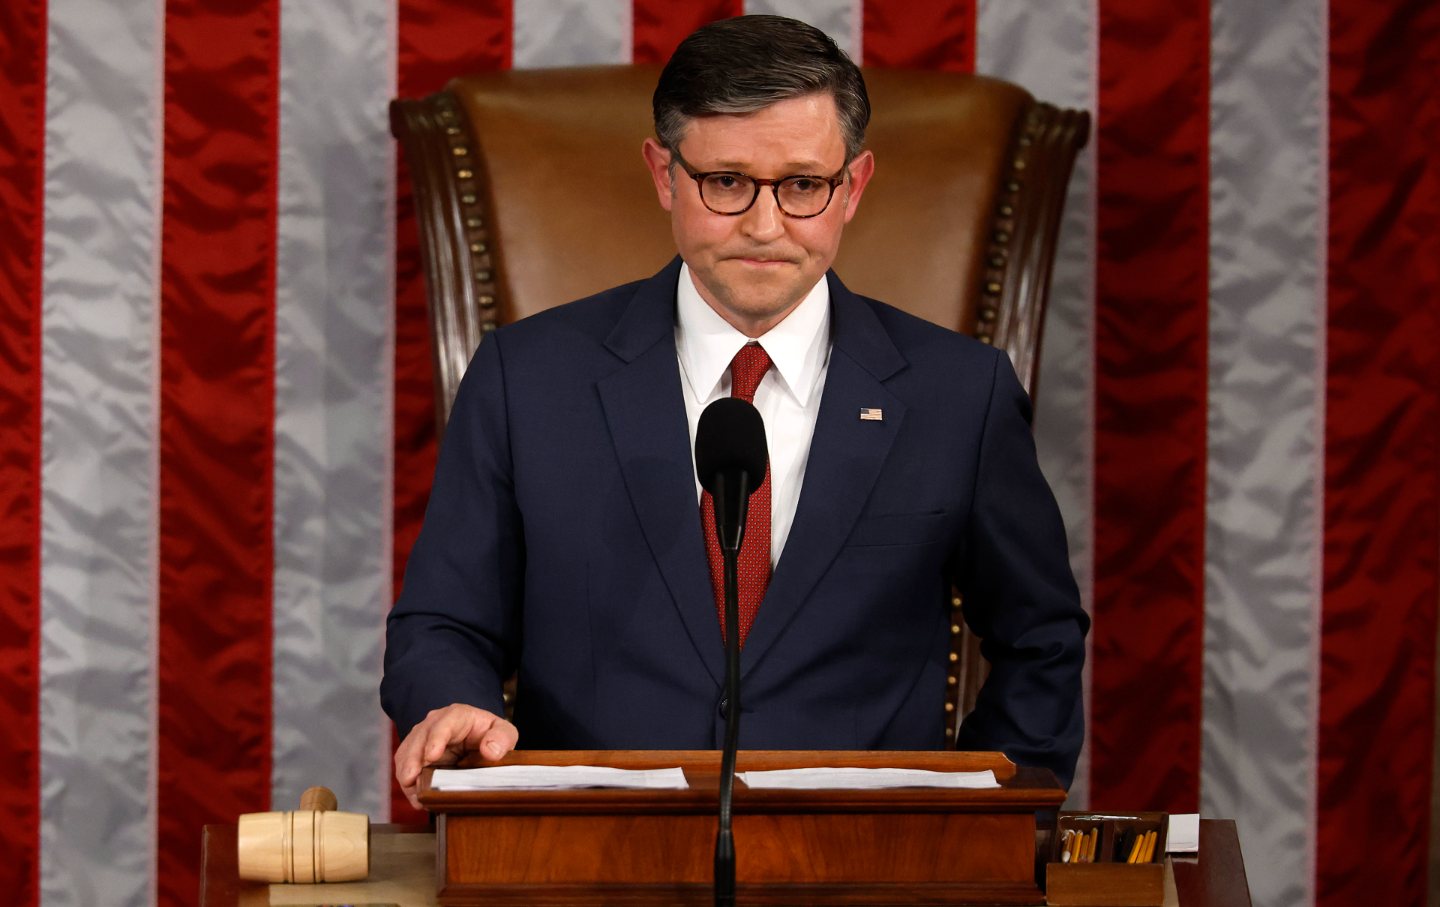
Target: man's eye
{"type": "Point", "coordinates": [803, 185]}
{"type": "Point", "coordinates": [725, 182]}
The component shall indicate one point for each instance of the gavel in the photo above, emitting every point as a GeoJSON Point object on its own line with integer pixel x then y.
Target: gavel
{"type": "Point", "coordinates": [312, 844]}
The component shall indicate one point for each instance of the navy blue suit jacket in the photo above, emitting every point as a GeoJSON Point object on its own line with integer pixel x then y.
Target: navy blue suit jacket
{"type": "Point", "coordinates": [563, 538]}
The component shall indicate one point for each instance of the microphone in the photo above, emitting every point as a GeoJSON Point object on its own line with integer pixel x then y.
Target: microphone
{"type": "Point", "coordinates": [730, 460]}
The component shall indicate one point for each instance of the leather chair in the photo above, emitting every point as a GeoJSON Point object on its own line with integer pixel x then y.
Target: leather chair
{"type": "Point", "coordinates": [530, 192]}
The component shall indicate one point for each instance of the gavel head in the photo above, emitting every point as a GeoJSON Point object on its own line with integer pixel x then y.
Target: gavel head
{"type": "Point", "coordinates": [305, 845]}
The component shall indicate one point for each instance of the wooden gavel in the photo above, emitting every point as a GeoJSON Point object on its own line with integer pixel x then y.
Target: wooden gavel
{"type": "Point", "coordinates": [312, 844]}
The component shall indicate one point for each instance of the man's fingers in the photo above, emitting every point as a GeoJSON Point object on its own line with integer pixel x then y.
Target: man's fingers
{"type": "Point", "coordinates": [447, 734]}
{"type": "Point", "coordinates": [499, 739]}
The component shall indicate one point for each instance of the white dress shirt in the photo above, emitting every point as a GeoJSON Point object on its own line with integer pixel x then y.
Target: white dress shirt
{"type": "Point", "coordinates": [788, 397]}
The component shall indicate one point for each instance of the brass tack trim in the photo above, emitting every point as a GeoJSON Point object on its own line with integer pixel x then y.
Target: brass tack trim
{"type": "Point", "coordinates": [954, 657]}
{"type": "Point", "coordinates": [465, 174]}
{"type": "Point", "coordinates": [482, 276]}
{"type": "Point", "coordinates": [992, 288]}
{"type": "Point", "coordinates": [468, 198]}
{"type": "Point", "coordinates": [955, 601]}
{"type": "Point", "coordinates": [1002, 237]}
{"type": "Point", "coordinates": [983, 338]}
{"type": "Point", "coordinates": [474, 223]}
{"type": "Point", "coordinates": [486, 301]}
{"type": "Point", "coordinates": [954, 629]}
{"type": "Point", "coordinates": [951, 679]}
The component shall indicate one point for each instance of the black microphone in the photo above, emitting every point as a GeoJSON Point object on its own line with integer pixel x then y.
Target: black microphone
{"type": "Point", "coordinates": [730, 459]}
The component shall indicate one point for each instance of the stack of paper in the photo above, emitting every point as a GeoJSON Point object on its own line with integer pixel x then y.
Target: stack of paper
{"type": "Point", "coordinates": [866, 779]}
{"type": "Point", "coordinates": [555, 777]}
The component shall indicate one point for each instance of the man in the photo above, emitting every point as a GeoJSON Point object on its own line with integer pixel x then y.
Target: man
{"type": "Point", "coordinates": [564, 536]}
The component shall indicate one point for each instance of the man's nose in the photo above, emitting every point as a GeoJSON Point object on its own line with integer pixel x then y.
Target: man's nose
{"type": "Point", "coordinates": [764, 220]}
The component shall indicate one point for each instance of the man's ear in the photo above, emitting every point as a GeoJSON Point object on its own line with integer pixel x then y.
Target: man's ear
{"type": "Point", "coordinates": [657, 161]}
{"type": "Point", "coordinates": [861, 169]}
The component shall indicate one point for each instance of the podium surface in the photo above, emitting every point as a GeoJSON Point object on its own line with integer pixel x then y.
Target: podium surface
{"type": "Point", "coordinates": [1213, 878]}
{"type": "Point", "coordinates": [896, 846]}
{"type": "Point", "coordinates": [832, 846]}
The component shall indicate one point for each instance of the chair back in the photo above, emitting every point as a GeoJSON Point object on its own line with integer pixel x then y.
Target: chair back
{"type": "Point", "coordinates": [530, 192]}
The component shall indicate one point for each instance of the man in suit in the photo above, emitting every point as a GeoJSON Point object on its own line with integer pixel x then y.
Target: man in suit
{"type": "Point", "coordinates": [564, 537]}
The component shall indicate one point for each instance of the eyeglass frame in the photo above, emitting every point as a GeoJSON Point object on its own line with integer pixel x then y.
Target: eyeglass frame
{"type": "Point", "coordinates": [700, 176]}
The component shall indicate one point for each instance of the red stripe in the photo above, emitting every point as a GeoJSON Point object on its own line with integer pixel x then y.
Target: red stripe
{"type": "Point", "coordinates": [22, 172]}
{"type": "Point", "coordinates": [1382, 455]}
{"type": "Point", "coordinates": [216, 424]}
{"type": "Point", "coordinates": [939, 36]}
{"type": "Point", "coordinates": [438, 39]}
{"type": "Point", "coordinates": [441, 39]}
{"type": "Point", "coordinates": [1150, 404]}
{"type": "Point", "coordinates": [660, 26]}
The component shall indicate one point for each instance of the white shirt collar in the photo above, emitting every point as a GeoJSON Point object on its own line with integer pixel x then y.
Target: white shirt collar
{"type": "Point", "coordinates": [798, 346]}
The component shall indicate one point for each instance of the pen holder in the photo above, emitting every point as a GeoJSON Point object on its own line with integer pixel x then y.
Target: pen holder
{"type": "Point", "coordinates": [312, 844]}
{"type": "Point", "coordinates": [1101, 876]}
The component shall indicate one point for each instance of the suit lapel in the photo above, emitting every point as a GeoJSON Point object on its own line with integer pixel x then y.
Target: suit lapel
{"type": "Point", "coordinates": [646, 415]}
{"type": "Point", "coordinates": [846, 456]}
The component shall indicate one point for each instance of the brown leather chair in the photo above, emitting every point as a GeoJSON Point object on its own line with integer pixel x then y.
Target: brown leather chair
{"type": "Point", "coordinates": [530, 192]}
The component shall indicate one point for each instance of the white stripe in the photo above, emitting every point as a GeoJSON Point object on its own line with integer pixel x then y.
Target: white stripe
{"type": "Point", "coordinates": [572, 33]}
{"type": "Point", "coordinates": [333, 376]}
{"type": "Point", "coordinates": [840, 19]}
{"type": "Point", "coordinates": [387, 493]}
{"type": "Point", "coordinates": [100, 453]}
{"type": "Point", "coordinates": [1321, 251]}
{"type": "Point", "coordinates": [1051, 51]}
{"type": "Point", "coordinates": [1263, 515]}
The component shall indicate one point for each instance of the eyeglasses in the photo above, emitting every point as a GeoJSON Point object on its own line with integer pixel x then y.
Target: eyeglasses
{"type": "Point", "coordinates": [730, 193]}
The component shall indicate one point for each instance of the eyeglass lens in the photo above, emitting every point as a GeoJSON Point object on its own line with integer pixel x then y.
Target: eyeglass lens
{"type": "Point", "coordinates": [732, 193]}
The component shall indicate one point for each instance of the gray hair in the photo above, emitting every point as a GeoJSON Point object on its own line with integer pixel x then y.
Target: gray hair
{"type": "Point", "coordinates": [745, 64]}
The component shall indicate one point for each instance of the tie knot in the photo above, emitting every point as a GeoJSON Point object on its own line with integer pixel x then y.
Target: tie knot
{"type": "Point", "coordinates": [746, 370]}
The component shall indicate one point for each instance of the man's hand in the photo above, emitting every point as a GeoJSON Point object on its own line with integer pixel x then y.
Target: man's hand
{"type": "Point", "coordinates": [447, 734]}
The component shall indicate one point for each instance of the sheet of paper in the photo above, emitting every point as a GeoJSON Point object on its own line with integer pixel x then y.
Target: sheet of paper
{"type": "Point", "coordinates": [556, 777]}
{"type": "Point", "coordinates": [1183, 835]}
{"type": "Point", "coordinates": [866, 779]}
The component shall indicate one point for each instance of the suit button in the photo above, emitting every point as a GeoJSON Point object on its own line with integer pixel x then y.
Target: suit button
{"type": "Point", "coordinates": [725, 708]}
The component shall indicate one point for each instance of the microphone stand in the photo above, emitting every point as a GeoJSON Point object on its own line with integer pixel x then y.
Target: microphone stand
{"type": "Point", "coordinates": [730, 554]}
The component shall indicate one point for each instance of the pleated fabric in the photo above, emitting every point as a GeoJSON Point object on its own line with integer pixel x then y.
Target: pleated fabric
{"type": "Point", "coordinates": [219, 428]}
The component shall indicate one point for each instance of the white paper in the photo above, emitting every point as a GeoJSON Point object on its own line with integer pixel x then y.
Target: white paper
{"type": "Point", "coordinates": [556, 777]}
{"type": "Point", "coordinates": [866, 779]}
{"type": "Point", "coordinates": [1183, 835]}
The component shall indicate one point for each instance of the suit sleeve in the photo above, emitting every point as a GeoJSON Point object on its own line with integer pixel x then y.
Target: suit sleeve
{"type": "Point", "coordinates": [452, 636]}
{"type": "Point", "coordinates": [1020, 597]}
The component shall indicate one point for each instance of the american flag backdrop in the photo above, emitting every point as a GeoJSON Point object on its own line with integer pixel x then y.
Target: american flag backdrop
{"type": "Point", "coordinates": [218, 433]}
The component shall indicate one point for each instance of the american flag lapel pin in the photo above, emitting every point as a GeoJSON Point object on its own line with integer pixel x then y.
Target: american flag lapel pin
{"type": "Point", "coordinates": [872, 414]}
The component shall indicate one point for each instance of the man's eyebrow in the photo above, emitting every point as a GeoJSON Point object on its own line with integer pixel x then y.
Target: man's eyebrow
{"type": "Point", "coordinates": [793, 167]}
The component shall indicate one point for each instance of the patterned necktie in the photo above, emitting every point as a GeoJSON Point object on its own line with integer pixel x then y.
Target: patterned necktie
{"type": "Point", "coordinates": [753, 566]}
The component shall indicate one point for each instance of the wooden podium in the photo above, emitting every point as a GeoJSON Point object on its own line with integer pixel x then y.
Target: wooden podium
{"type": "Point", "coordinates": [897, 846]}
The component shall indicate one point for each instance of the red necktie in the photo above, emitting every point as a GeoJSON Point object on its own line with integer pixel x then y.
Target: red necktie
{"type": "Point", "coordinates": [753, 567]}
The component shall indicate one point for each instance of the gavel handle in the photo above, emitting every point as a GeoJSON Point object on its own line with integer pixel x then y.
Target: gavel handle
{"type": "Point", "coordinates": [318, 799]}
